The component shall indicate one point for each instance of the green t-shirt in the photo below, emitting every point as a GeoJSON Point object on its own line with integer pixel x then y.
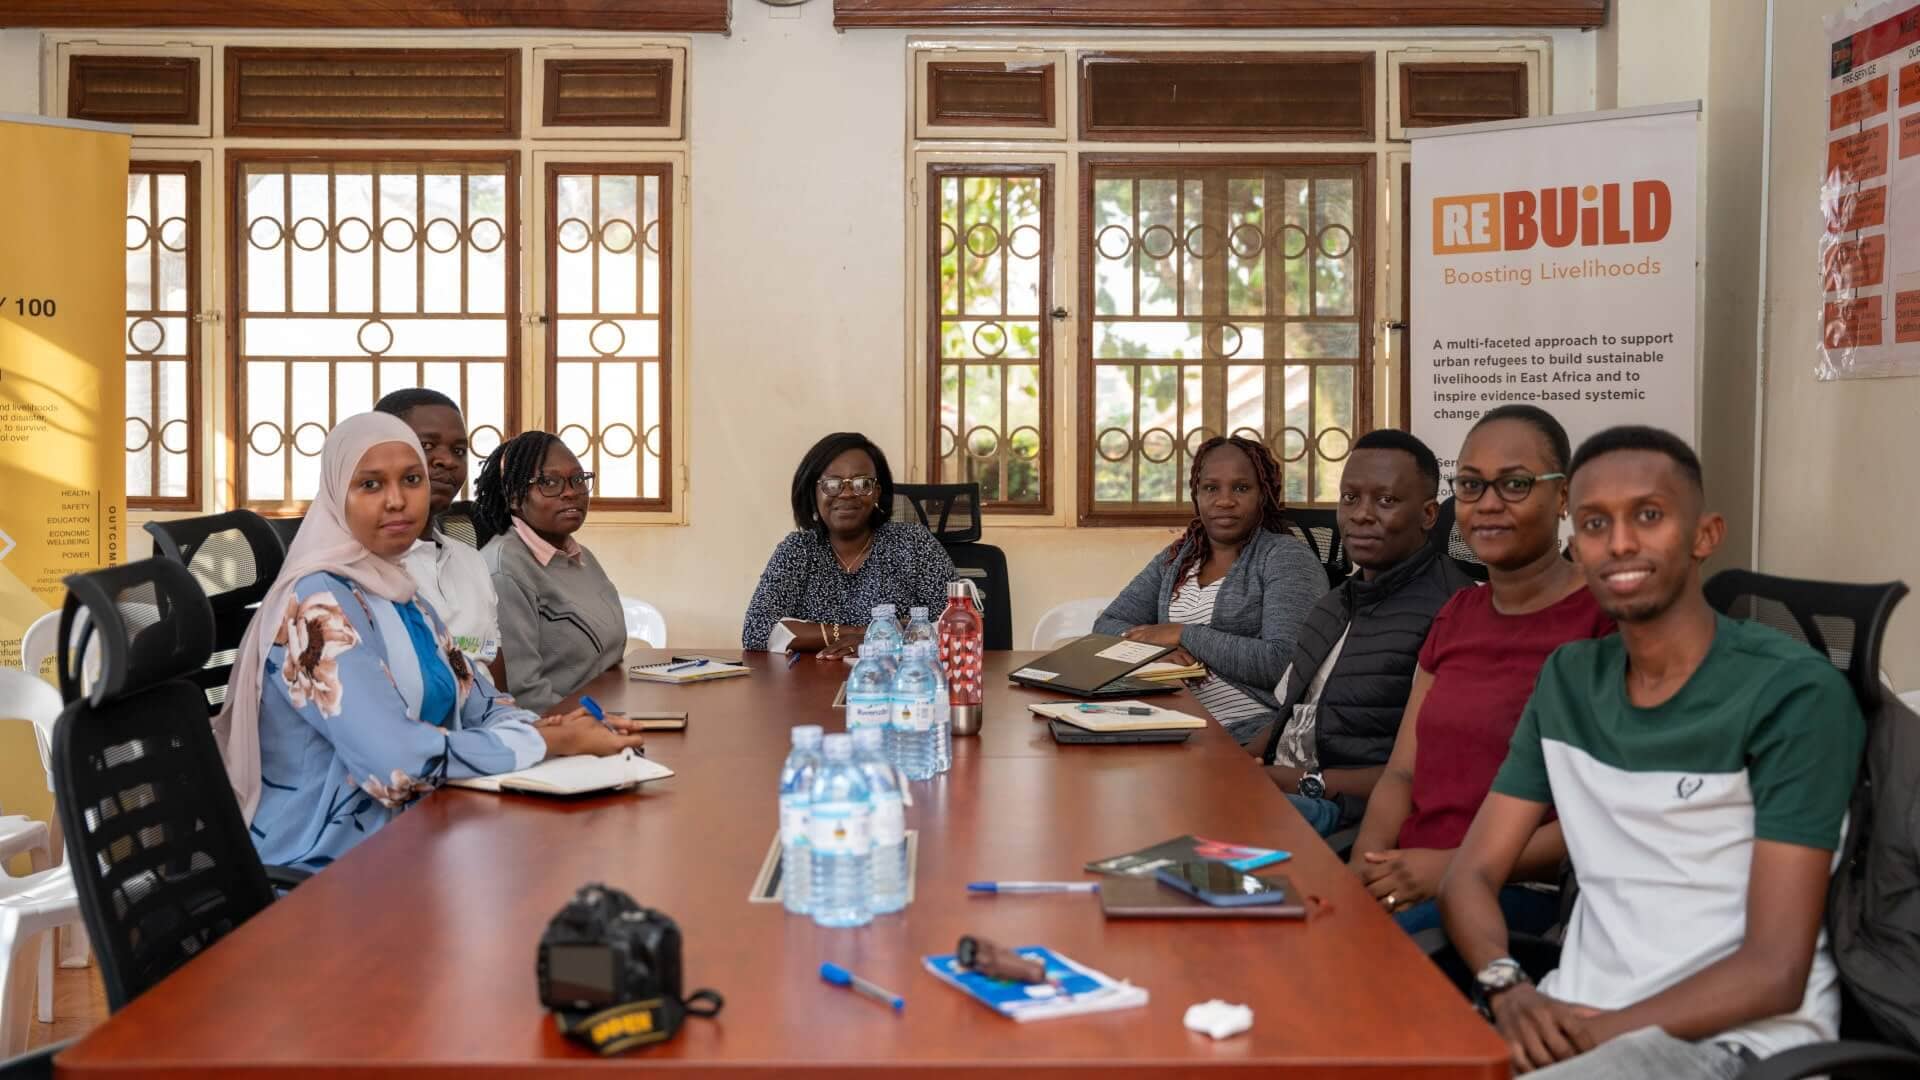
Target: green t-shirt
{"type": "Point", "coordinates": [1661, 807]}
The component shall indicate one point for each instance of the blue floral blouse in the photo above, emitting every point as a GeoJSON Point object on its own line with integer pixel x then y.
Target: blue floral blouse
{"type": "Point", "coordinates": [342, 746]}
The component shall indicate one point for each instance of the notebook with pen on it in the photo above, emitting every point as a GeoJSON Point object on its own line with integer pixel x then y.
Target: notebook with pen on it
{"type": "Point", "coordinates": [1071, 989]}
{"type": "Point", "coordinates": [690, 670]}
{"type": "Point", "coordinates": [575, 774]}
{"type": "Point", "coordinates": [1117, 716]}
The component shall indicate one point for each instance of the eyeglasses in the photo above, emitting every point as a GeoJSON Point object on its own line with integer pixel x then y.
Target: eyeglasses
{"type": "Point", "coordinates": [552, 486]}
{"type": "Point", "coordinates": [861, 486]}
{"type": "Point", "coordinates": [1513, 487]}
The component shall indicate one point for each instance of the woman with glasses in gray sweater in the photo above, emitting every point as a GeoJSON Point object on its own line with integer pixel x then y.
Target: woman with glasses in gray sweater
{"type": "Point", "coordinates": [1230, 593]}
{"type": "Point", "coordinates": [560, 619]}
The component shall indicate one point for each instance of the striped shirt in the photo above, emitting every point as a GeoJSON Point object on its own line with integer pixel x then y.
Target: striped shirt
{"type": "Point", "coordinates": [1192, 605]}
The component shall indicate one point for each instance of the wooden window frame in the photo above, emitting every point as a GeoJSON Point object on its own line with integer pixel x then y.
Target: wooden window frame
{"type": "Point", "coordinates": [1060, 78]}
{"type": "Point", "coordinates": [1085, 362]}
{"type": "Point", "coordinates": [232, 214]}
{"type": "Point", "coordinates": [195, 354]}
{"type": "Point", "coordinates": [548, 169]}
{"type": "Point", "coordinates": [1222, 14]}
{"type": "Point", "coordinates": [1049, 456]}
{"type": "Point", "coordinates": [1403, 84]}
{"type": "Point", "coordinates": [234, 127]}
{"type": "Point", "coordinates": [541, 84]}
{"type": "Point", "coordinates": [1088, 133]}
{"type": "Point", "coordinates": [59, 93]}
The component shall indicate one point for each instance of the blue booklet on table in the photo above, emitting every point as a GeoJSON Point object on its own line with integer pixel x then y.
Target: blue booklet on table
{"type": "Point", "coordinates": [1073, 988]}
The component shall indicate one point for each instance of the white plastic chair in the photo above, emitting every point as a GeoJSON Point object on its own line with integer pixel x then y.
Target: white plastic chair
{"type": "Point", "coordinates": [24, 697]}
{"type": "Point", "coordinates": [645, 622]}
{"type": "Point", "coordinates": [37, 644]}
{"type": "Point", "coordinates": [1064, 622]}
{"type": "Point", "coordinates": [31, 908]}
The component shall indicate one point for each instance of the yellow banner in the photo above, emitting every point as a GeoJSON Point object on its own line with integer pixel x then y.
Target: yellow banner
{"type": "Point", "coordinates": [63, 206]}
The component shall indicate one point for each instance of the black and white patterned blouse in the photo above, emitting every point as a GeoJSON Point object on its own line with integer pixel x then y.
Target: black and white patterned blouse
{"type": "Point", "coordinates": [907, 568]}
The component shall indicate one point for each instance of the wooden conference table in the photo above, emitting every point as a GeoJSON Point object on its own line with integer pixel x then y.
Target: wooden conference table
{"type": "Point", "coordinates": [415, 953]}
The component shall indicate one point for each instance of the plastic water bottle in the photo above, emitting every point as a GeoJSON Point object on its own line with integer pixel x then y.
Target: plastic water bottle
{"type": "Point", "coordinates": [839, 824]}
{"type": "Point", "coordinates": [889, 822]}
{"type": "Point", "coordinates": [942, 711]}
{"type": "Point", "coordinates": [870, 691]}
{"type": "Point", "coordinates": [796, 783]}
{"type": "Point", "coordinates": [919, 628]}
{"type": "Point", "coordinates": [884, 631]}
{"type": "Point", "coordinates": [912, 732]}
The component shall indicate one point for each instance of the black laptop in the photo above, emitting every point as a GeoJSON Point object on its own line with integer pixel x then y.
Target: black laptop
{"type": "Point", "coordinates": [1095, 666]}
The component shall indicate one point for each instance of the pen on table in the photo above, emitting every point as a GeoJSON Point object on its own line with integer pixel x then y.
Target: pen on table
{"type": "Point", "coordinates": [1121, 710]}
{"type": "Point", "coordinates": [793, 657]}
{"type": "Point", "coordinates": [701, 662]}
{"type": "Point", "coordinates": [594, 710]}
{"type": "Point", "coordinates": [840, 976]}
{"type": "Point", "coordinates": [1032, 886]}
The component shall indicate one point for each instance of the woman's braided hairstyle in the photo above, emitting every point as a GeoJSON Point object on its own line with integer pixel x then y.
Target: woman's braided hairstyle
{"type": "Point", "coordinates": [505, 478]}
{"type": "Point", "coordinates": [1272, 497]}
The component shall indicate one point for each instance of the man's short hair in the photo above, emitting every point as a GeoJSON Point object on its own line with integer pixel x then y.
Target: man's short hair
{"type": "Point", "coordinates": [401, 402]}
{"type": "Point", "coordinates": [1640, 437]}
{"type": "Point", "coordinates": [1395, 439]}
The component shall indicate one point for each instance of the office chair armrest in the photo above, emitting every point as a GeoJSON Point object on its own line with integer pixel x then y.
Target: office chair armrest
{"type": "Point", "coordinates": [1875, 1061]}
{"type": "Point", "coordinates": [1342, 841]}
{"type": "Point", "coordinates": [35, 1064]}
{"type": "Point", "coordinates": [285, 878]}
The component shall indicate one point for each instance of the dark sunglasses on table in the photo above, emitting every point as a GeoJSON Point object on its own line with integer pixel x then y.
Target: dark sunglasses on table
{"type": "Point", "coordinates": [858, 485]}
{"type": "Point", "coordinates": [1513, 487]}
{"type": "Point", "coordinates": [552, 486]}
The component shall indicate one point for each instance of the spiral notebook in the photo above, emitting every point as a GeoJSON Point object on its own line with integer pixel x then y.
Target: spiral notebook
{"type": "Point", "coordinates": [576, 774]}
{"type": "Point", "coordinates": [687, 671]}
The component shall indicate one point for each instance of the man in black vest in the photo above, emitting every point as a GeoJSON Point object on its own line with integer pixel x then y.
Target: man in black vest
{"type": "Point", "coordinates": [1342, 698]}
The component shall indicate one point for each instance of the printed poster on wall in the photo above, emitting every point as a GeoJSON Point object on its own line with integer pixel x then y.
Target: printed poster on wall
{"type": "Point", "coordinates": [1552, 264]}
{"type": "Point", "coordinates": [1870, 195]}
{"type": "Point", "coordinates": [63, 206]}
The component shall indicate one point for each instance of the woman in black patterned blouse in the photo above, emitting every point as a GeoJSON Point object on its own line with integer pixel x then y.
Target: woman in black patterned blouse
{"type": "Point", "coordinates": [846, 557]}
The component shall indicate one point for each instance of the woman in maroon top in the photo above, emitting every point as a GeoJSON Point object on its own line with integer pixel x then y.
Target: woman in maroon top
{"type": "Point", "coordinates": [1477, 669]}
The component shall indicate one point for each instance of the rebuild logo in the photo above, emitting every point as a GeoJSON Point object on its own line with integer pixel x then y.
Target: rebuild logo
{"type": "Point", "coordinates": [1590, 216]}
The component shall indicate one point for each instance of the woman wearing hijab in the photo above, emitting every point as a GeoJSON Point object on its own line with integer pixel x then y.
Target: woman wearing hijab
{"type": "Point", "coordinates": [349, 699]}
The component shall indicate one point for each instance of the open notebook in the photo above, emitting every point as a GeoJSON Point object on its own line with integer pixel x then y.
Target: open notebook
{"type": "Point", "coordinates": [1113, 716]}
{"type": "Point", "coordinates": [687, 671]}
{"type": "Point", "coordinates": [576, 774]}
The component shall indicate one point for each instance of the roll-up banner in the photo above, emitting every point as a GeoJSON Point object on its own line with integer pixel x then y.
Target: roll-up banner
{"type": "Point", "coordinates": [63, 211]}
{"type": "Point", "coordinates": [1552, 264]}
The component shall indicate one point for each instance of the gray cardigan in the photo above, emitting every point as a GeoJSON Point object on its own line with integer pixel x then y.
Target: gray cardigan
{"type": "Point", "coordinates": [561, 625]}
{"type": "Point", "coordinates": [1268, 591]}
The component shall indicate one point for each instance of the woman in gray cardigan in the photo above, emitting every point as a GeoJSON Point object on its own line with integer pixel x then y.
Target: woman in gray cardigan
{"type": "Point", "coordinates": [1232, 592]}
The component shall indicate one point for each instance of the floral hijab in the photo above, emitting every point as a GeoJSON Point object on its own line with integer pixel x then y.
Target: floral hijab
{"type": "Point", "coordinates": [324, 544]}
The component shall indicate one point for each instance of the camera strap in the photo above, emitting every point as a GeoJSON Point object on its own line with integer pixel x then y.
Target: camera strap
{"type": "Point", "coordinates": [636, 1023]}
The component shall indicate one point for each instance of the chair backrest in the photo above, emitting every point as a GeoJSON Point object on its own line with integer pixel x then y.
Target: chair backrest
{"type": "Point", "coordinates": [1845, 623]}
{"type": "Point", "coordinates": [285, 528]}
{"type": "Point", "coordinates": [459, 524]}
{"type": "Point", "coordinates": [1067, 621]}
{"type": "Point", "coordinates": [37, 644]}
{"type": "Point", "coordinates": [645, 622]}
{"type": "Point", "coordinates": [951, 512]}
{"type": "Point", "coordinates": [26, 696]}
{"type": "Point", "coordinates": [234, 556]}
{"type": "Point", "coordinates": [986, 566]}
{"type": "Point", "coordinates": [1322, 529]}
{"type": "Point", "coordinates": [1446, 537]}
{"type": "Point", "coordinates": [162, 859]}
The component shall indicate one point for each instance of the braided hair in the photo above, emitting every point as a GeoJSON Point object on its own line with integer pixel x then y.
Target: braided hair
{"type": "Point", "coordinates": [505, 478]}
{"type": "Point", "coordinates": [1273, 518]}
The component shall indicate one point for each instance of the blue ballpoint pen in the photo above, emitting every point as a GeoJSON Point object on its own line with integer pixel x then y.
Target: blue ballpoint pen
{"type": "Point", "coordinates": [689, 664]}
{"type": "Point", "coordinates": [594, 710]}
{"type": "Point", "coordinates": [840, 976]}
{"type": "Point", "coordinates": [1032, 886]}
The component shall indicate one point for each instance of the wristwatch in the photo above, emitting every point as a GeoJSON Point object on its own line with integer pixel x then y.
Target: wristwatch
{"type": "Point", "coordinates": [1313, 785]}
{"type": "Point", "coordinates": [1503, 974]}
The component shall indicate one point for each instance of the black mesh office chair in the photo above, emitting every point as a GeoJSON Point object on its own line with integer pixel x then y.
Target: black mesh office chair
{"type": "Point", "coordinates": [234, 557]}
{"type": "Point", "coordinates": [1322, 529]}
{"type": "Point", "coordinates": [285, 528]}
{"type": "Point", "coordinates": [1446, 536]}
{"type": "Point", "coordinates": [459, 524]}
{"type": "Point", "coordinates": [161, 856]}
{"type": "Point", "coordinates": [952, 513]}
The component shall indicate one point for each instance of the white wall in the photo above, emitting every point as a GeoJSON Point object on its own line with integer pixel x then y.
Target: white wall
{"type": "Point", "coordinates": [1837, 499]}
{"type": "Point", "coordinates": [19, 71]}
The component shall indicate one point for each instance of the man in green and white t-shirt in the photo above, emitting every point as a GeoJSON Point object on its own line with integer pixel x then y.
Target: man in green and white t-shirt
{"type": "Point", "coordinates": [1701, 769]}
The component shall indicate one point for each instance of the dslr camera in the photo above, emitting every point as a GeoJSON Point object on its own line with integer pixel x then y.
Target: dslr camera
{"type": "Point", "coordinates": [609, 969]}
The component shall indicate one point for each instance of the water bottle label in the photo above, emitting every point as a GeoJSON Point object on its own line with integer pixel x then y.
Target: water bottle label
{"type": "Point", "coordinates": [840, 830]}
{"type": "Point", "coordinates": [913, 716]}
{"type": "Point", "coordinates": [868, 714]}
{"type": "Point", "coordinates": [793, 819]}
{"type": "Point", "coordinates": [889, 821]}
